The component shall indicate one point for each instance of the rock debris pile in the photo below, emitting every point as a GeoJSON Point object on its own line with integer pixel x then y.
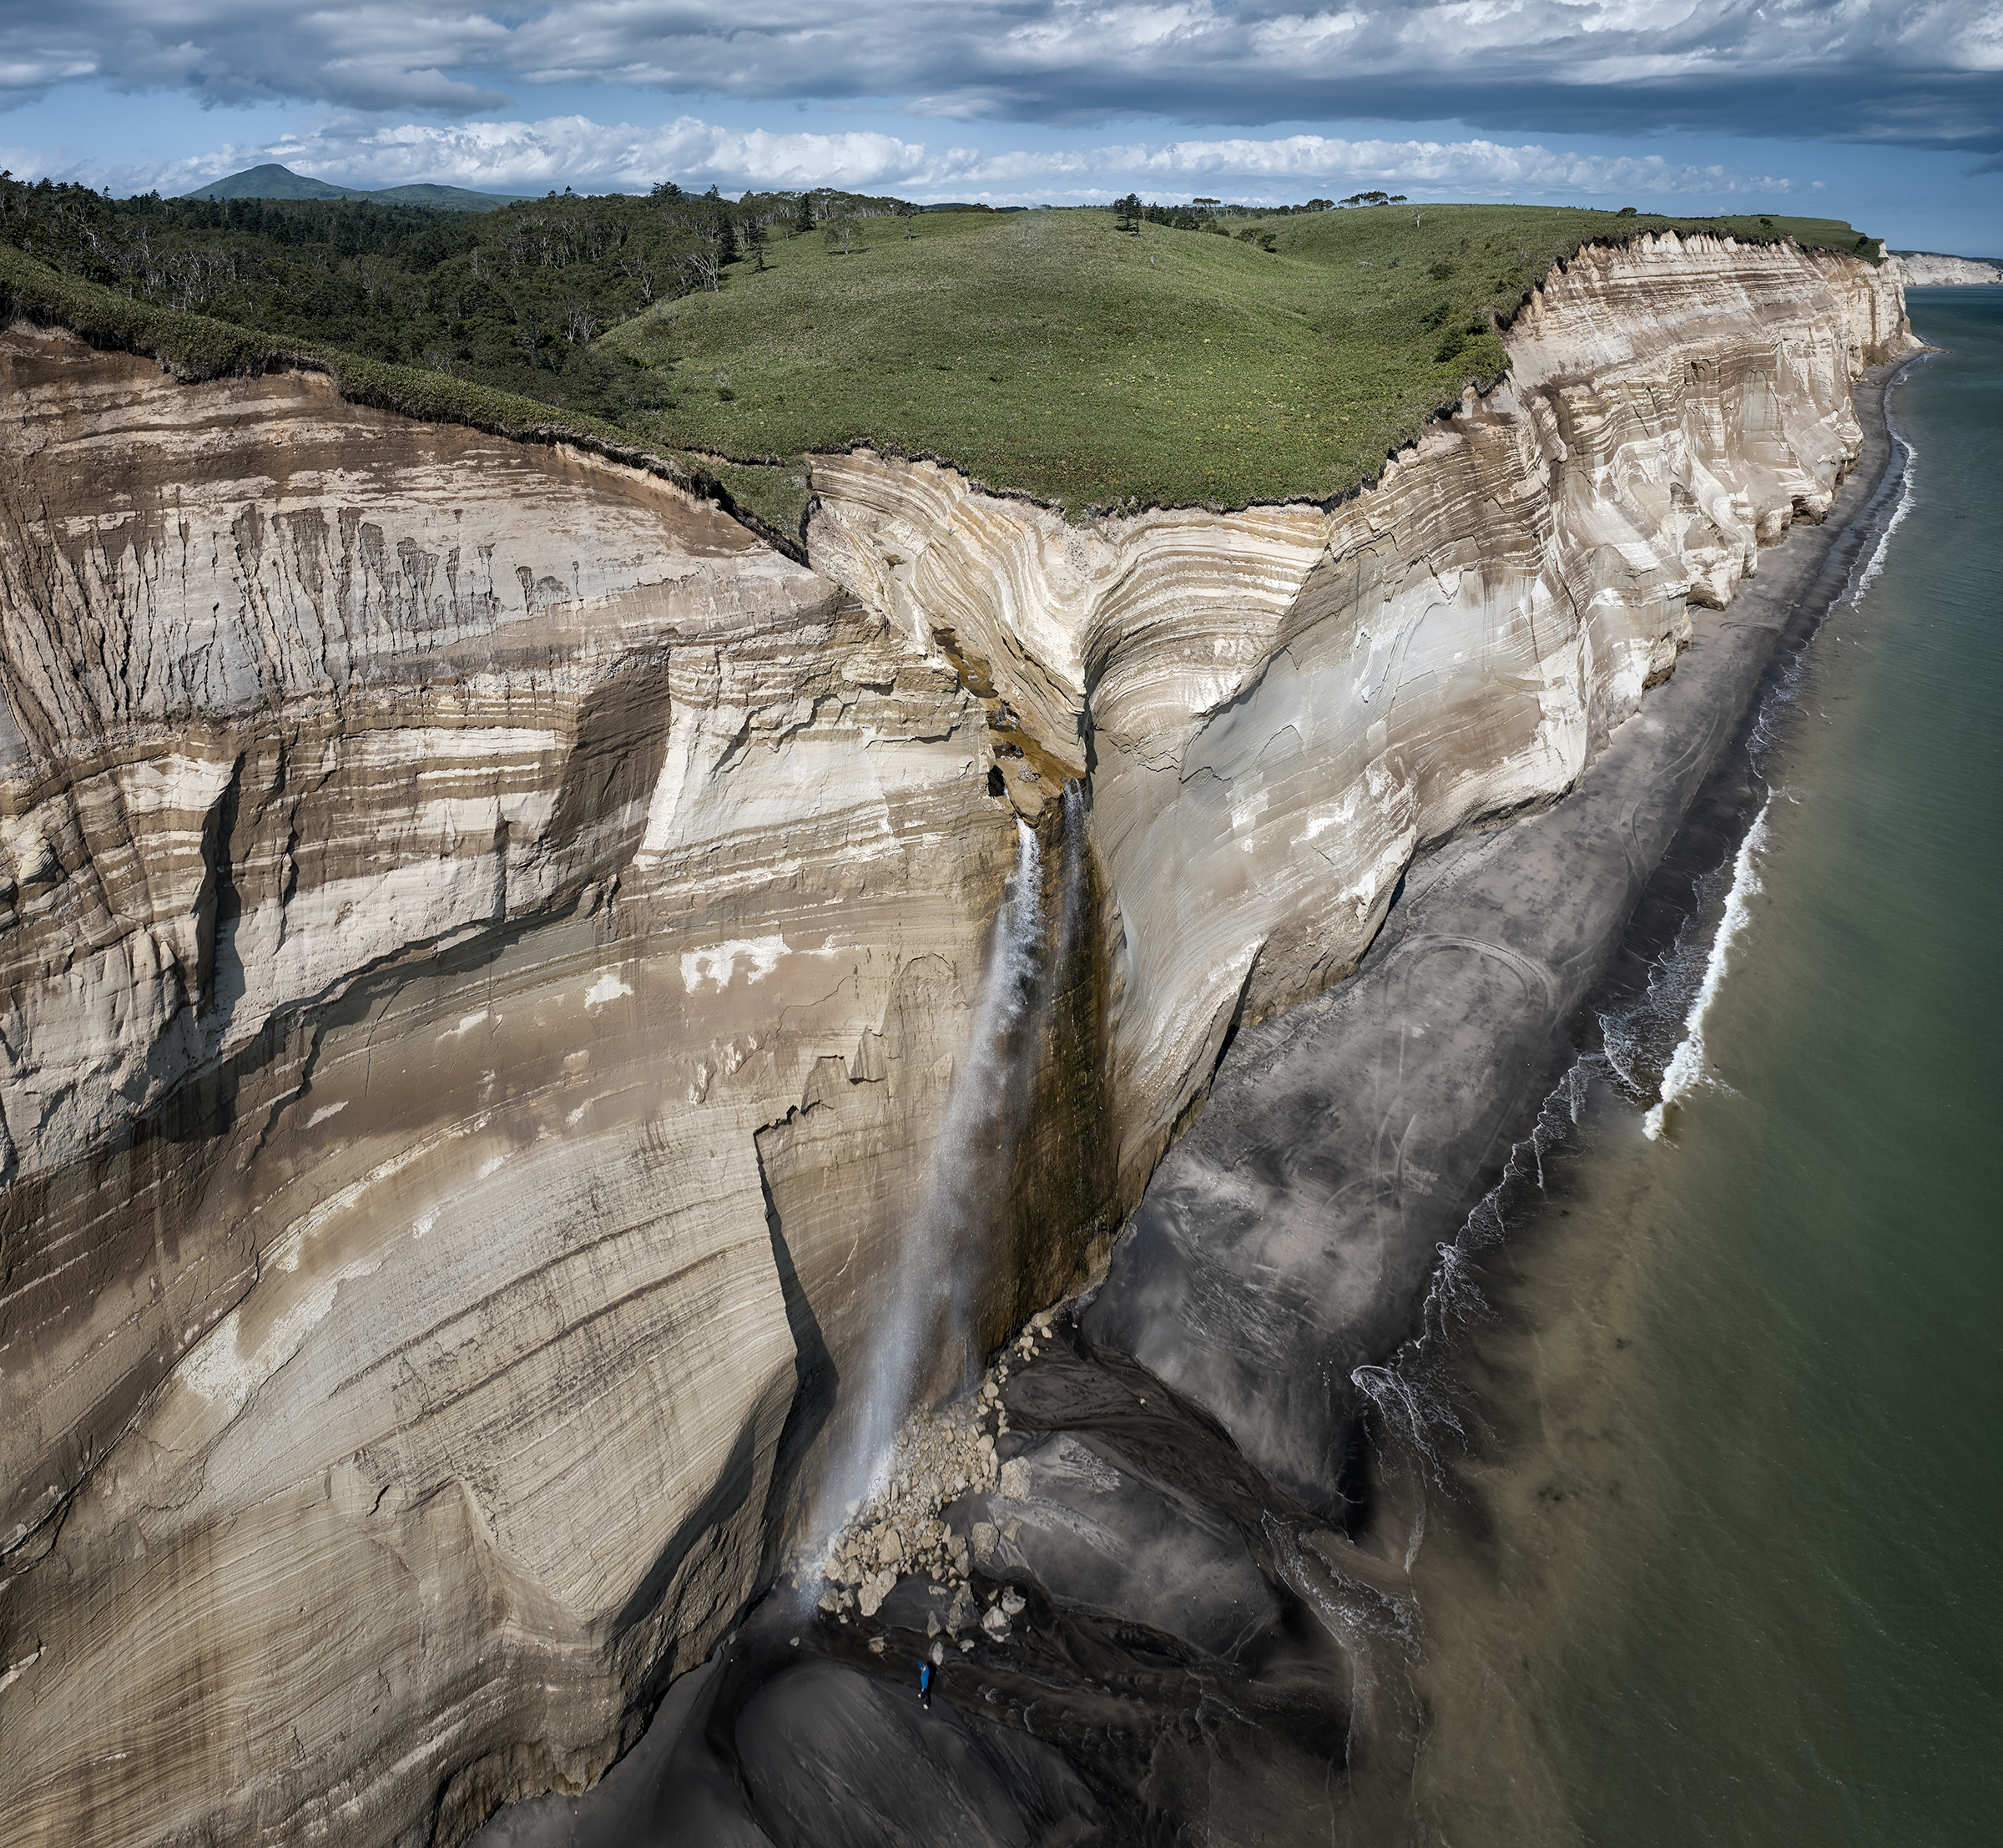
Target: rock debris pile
{"type": "Point", "coordinates": [901, 1531]}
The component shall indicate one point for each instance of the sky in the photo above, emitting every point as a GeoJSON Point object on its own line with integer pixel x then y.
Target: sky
{"type": "Point", "coordinates": [1887, 113]}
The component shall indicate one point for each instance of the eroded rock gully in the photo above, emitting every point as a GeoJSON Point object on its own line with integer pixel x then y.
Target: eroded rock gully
{"type": "Point", "coordinates": [488, 947]}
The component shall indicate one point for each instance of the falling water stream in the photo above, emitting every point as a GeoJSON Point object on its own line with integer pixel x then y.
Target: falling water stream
{"type": "Point", "coordinates": [924, 1339]}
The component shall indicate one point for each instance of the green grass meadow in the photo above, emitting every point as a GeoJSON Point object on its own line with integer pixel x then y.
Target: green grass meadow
{"type": "Point", "coordinates": [1049, 353]}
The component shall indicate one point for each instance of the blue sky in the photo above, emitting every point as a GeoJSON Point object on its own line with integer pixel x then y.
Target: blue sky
{"type": "Point", "coordinates": [1890, 115]}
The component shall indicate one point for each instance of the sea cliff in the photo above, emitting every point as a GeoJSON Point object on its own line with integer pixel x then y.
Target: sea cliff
{"type": "Point", "coordinates": [491, 951]}
{"type": "Point", "coordinates": [1924, 269]}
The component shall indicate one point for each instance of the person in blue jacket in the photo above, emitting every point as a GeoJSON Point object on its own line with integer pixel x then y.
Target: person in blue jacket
{"type": "Point", "coordinates": [925, 1685]}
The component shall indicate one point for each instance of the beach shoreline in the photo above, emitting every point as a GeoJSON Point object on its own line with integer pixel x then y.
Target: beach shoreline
{"type": "Point", "coordinates": [1287, 1243]}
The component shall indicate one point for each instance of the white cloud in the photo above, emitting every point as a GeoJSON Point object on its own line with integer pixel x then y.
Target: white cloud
{"type": "Point", "coordinates": [1419, 166]}
{"type": "Point", "coordinates": [1071, 60]}
{"type": "Point", "coordinates": [533, 157]}
{"type": "Point", "coordinates": [537, 156]}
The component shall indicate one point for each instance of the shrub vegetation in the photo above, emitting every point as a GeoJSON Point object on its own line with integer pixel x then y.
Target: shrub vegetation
{"type": "Point", "coordinates": [1099, 359]}
{"type": "Point", "coordinates": [514, 299]}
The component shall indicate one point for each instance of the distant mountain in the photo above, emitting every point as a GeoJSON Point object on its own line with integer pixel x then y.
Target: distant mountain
{"type": "Point", "coordinates": [449, 199]}
{"type": "Point", "coordinates": [273, 181]}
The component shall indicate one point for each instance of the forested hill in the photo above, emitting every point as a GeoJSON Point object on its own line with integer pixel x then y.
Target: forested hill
{"type": "Point", "coordinates": [512, 298]}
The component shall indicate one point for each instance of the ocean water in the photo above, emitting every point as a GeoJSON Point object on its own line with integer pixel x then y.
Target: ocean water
{"type": "Point", "coordinates": [1721, 1558]}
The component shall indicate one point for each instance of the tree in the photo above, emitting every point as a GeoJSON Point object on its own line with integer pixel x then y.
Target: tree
{"type": "Point", "coordinates": [803, 219]}
{"type": "Point", "coordinates": [666, 189]}
{"type": "Point", "coordinates": [699, 265]}
{"type": "Point", "coordinates": [637, 268]}
{"type": "Point", "coordinates": [726, 237]}
{"type": "Point", "coordinates": [838, 228]}
{"type": "Point", "coordinates": [755, 235]}
{"type": "Point", "coordinates": [1127, 213]}
{"type": "Point", "coordinates": [909, 213]}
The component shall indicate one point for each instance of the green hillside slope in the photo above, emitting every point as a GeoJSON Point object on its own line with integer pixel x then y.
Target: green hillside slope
{"type": "Point", "coordinates": [1050, 353]}
{"type": "Point", "coordinates": [1216, 359]}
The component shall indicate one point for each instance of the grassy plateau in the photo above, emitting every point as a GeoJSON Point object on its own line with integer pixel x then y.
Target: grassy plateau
{"type": "Point", "coordinates": [1050, 353]}
{"type": "Point", "coordinates": [1218, 360]}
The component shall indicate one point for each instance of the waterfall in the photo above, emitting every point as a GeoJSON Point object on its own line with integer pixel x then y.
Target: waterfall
{"type": "Point", "coordinates": [1070, 912]}
{"type": "Point", "coordinates": [937, 1267]}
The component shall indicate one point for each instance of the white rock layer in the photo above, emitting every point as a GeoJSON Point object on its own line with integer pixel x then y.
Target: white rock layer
{"type": "Point", "coordinates": [431, 861]}
{"type": "Point", "coordinates": [1923, 269]}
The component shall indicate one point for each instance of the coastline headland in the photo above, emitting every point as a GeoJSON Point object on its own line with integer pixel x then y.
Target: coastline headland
{"type": "Point", "coordinates": [503, 965]}
{"type": "Point", "coordinates": [1928, 269]}
{"type": "Point", "coordinates": [1389, 1110]}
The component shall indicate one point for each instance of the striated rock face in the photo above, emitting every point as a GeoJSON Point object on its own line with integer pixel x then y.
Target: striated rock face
{"type": "Point", "coordinates": [1279, 708]}
{"type": "Point", "coordinates": [1923, 269]}
{"type": "Point", "coordinates": [430, 862]}
{"type": "Point", "coordinates": [489, 950]}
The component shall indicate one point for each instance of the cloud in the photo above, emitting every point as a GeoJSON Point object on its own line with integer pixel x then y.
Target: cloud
{"type": "Point", "coordinates": [534, 157]}
{"type": "Point", "coordinates": [1924, 71]}
{"type": "Point", "coordinates": [1421, 167]}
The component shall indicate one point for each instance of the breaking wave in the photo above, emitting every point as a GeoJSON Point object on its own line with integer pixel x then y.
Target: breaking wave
{"type": "Point", "coordinates": [1686, 1070]}
{"type": "Point", "coordinates": [1865, 576]}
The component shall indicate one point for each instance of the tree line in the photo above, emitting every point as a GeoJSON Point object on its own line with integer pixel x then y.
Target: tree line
{"type": "Point", "coordinates": [1209, 215]}
{"type": "Point", "coordinates": [514, 298]}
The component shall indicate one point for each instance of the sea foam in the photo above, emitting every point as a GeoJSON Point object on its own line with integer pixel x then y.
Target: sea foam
{"type": "Point", "coordinates": [1686, 1070]}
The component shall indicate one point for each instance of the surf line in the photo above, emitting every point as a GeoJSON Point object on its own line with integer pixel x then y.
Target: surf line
{"type": "Point", "coordinates": [1686, 1071]}
{"type": "Point", "coordinates": [1868, 575]}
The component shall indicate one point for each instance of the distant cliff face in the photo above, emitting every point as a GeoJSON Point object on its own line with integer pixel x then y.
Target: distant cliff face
{"type": "Point", "coordinates": [488, 949]}
{"type": "Point", "coordinates": [1923, 269]}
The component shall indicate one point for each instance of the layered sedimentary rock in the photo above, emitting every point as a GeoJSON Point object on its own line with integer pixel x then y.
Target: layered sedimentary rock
{"type": "Point", "coordinates": [432, 859]}
{"type": "Point", "coordinates": [1924, 269]}
{"type": "Point", "coordinates": [1279, 708]}
{"type": "Point", "coordinates": [490, 950]}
